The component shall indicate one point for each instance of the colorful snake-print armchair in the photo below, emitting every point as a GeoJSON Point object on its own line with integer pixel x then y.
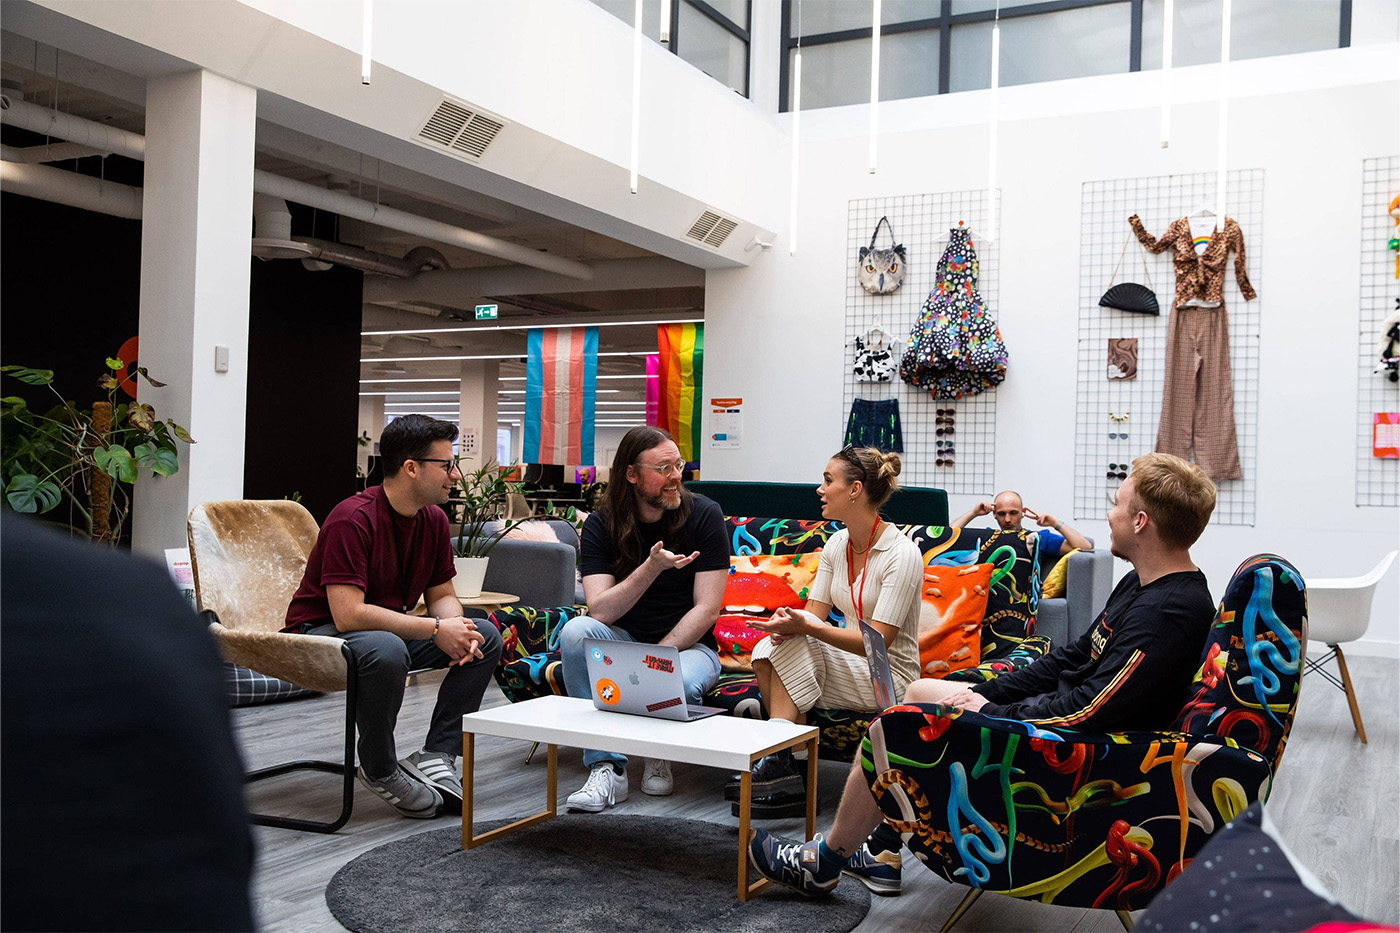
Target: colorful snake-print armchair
{"type": "Point", "coordinates": [1094, 820]}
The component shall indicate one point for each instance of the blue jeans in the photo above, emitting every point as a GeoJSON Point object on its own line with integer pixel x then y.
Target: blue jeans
{"type": "Point", "coordinates": [699, 670]}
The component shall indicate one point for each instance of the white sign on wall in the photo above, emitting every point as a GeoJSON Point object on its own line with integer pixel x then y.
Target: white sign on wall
{"type": "Point", "coordinates": [726, 423]}
{"type": "Point", "coordinates": [468, 443]}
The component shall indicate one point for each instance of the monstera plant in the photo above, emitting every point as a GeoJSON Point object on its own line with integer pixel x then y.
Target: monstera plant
{"type": "Point", "coordinates": [86, 460]}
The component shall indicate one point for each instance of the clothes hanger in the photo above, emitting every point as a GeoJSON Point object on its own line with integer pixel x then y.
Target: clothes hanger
{"type": "Point", "coordinates": [943, 237]}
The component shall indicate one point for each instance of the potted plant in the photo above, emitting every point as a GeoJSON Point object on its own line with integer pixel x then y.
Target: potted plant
{"type": "Point", "coordinates": [484, 494]}
{"type": "Point", "coordinates": [87, 458]}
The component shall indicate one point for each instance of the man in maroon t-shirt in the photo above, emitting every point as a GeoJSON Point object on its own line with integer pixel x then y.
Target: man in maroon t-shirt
{"type": "Point", "coordinates": [378, 552]}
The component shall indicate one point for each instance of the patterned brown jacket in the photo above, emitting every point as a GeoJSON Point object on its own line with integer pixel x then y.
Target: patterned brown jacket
{"type": "Point", "coordinates": [1199, 279]}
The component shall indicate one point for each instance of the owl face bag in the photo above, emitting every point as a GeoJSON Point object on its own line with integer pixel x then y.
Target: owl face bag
{"type": "Point", "coordinates": [881, 271]}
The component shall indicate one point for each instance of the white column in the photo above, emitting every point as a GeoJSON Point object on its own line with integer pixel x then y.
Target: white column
{"type": "Point", "coordinates": [195, 228]}
{"type": "Point", "coordinates": [480, 383]}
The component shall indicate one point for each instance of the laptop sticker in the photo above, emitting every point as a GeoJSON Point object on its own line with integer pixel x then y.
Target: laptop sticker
{"type": "Point", "coordinates": [608, 692]}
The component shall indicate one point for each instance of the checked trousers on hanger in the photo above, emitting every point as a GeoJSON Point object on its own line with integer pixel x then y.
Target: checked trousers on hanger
{"type": "Point", "coordinates": [1198, 398]}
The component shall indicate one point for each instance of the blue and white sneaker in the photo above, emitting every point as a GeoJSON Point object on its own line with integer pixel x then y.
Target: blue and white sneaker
{"type": "Point", "coordinates": [880, 873]}
{"type": "Point", "coordinates": [796, 865]}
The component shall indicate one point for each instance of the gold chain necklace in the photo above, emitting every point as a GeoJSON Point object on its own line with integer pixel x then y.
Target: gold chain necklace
{"type": "Point", "coordinates": [868, 544]}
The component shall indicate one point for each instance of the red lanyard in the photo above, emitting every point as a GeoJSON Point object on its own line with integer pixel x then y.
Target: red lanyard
{"type": "Point", "coordinates": [858, 602]}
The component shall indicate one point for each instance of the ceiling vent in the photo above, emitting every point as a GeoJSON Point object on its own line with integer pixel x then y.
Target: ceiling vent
{"type": "Point", "coordinates": [712, 229]}
{"type": "Point", "coordinates": [455, 126]}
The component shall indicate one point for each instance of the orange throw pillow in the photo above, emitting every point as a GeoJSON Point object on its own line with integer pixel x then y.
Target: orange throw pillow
{"type": "Point", "coordinates": [950, 619]}
{"type": "Point", "coordinates": [757, 585]}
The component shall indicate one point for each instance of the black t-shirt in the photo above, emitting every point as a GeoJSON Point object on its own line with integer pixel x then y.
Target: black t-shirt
{"type": "Point", "coordinates": [672, 594]}
{"type": "Point", "coordinates": [1131, 670]}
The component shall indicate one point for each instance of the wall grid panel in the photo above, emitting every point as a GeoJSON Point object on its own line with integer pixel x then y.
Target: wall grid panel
{"type": "Point", "coordinates": [921, 222]}
{"type": "Point", "coordinates": [1377, 480]}
{"type": "Point", "coordinates": [1158, 200]}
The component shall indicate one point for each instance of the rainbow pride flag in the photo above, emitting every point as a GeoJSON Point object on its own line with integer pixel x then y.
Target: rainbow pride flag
{"type": "Point", "coordinates": [561, 384]}
{"type": "Point", "coordinates": [681, 352]}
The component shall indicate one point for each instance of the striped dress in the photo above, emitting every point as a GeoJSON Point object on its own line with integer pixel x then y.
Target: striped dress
{"type": "Point", "coordinates": [817, 674]}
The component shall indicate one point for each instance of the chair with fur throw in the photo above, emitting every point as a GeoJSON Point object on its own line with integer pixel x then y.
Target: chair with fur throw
{"type": "Point", "coordinates": [248, 558]}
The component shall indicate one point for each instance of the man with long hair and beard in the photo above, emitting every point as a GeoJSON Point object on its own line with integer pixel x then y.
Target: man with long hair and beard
{"type": "Point", "coordinates": [654, 562]}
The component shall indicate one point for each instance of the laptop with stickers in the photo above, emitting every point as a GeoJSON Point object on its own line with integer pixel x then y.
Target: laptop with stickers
{"type": "Point", "coordinates": [645, 680]}
{"type": "Point", "coordinates": [877, 658]}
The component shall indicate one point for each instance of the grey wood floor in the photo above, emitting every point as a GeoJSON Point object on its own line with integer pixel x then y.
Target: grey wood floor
{"type": "Point", "coordinates": [1334, 800]}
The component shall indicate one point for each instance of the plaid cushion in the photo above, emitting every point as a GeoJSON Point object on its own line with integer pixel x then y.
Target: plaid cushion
{"type": "Point", "coordinates": [245, 687]}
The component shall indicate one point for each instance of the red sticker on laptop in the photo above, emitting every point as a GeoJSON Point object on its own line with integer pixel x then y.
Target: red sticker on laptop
{"type": "Point", "coordinates": [608, 691]}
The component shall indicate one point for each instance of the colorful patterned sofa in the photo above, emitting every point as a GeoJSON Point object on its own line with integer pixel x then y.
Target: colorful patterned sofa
{"type": "Point", "coordinates": [1105, 821]}
{"type": "Point", "coordinates": [530, 665]}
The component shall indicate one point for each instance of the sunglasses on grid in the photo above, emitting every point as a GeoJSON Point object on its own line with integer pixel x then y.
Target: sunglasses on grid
{"type": "Point", "coordinates": [947, 462]}
{"type": "Point", "coordinates": [942, 431]}
{"type": "Point", "coordinates": [949, 412]}
{"type": "Point", "coordinates": [1115, 435]}
{"type": "Point", "coordinates": [1117, 471]}
{"type": "Point", "coordinates": [945, 421]}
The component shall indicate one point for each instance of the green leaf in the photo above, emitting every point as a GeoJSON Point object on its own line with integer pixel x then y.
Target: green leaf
{"type": "Point", "coordinates": [161, 461]}
{"type": "Point", "coordinates": [34, 377]}
{"type": "Point", "coordinates": [115, 364]}
{"type": "Point", "coordinates": [26, 494]}
{"type": "Point", "coordinates": [116, 461]}
{"type": "Point", "coordinates": [180, 432]}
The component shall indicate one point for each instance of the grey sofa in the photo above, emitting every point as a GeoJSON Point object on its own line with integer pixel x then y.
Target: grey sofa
{"type": "Point", "coordinates": [1088, 581]}
{"type": "Point", "coordinates": [542, 573]}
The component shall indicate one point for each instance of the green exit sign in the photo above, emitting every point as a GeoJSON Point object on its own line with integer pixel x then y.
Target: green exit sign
{"type": "Point", "coordinates": [485, 312]}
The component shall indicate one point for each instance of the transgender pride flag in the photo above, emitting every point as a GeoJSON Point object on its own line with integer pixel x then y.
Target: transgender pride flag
{"type": "Point", "coordinates": [561, 381]}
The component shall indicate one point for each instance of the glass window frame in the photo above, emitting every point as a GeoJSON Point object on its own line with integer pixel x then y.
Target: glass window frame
{"type": "Point", "coordinates": [715, 16]}
{"type": "Point", "coordinates": [946, 20]}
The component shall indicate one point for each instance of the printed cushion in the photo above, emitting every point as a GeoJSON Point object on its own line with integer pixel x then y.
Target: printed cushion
{"type": "Point", "coordinates": [1055, 584]}
{"type": "Point", "coordinates": [1015, 591]}
{"type": "Point", "coordinates": [1028, 651]}
{"type": "Point", "coordinates": [1266, 888]}
{"type": "Point", "coordinates": [954, 600]}
{"type": "Point", "coordinates": [757, 585]}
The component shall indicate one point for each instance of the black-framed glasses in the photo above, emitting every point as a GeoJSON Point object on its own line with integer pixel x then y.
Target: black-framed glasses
{"type": "Point", "coordinates": [947, 462]}
{"type": "Point", "coordinates": [448, 465]}
{"type": "Point", "coordinates": [950, 412]}
{"type": "Point", "coordinates": [942, 431]}
{"type": "Point", "coordinates": [943, 420]}
{"type": "Point", "coordinates": [1117, 471]}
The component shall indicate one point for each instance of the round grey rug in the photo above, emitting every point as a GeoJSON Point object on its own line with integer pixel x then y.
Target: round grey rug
{"type": "Point", "coordinates": [609, 873]}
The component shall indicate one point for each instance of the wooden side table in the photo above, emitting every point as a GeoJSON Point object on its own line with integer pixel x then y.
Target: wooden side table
{"type": "Point", "coordinates": [488, 601]}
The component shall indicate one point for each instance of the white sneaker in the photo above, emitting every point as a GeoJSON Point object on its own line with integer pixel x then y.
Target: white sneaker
{"type": "Point", "coordinates": [656, 777]}
{"type": "Point", "coordinates": [604, 787]}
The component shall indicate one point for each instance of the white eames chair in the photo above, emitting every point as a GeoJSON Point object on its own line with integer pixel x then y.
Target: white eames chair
{"type": "Point", "coordinates": [1340, 610]}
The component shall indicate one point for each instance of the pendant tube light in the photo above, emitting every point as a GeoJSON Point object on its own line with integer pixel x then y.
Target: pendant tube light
{"type": "Point", "coordinates": [665, 21]}
{"type": "Point", "coordinates": [874, 83]}
{"type": "Point", "coordinates": [636, 91]}
{"type": "Point", "coordinates": [365, 31]}
{"type": "Point", "coordinates": [796, 145]}
{"type": "Point", "coordinates": [993, 116]}
{"type": "Point", "coordinates": [1168, 16]}
{"type": "Point", "coordinates": [1224, 114]}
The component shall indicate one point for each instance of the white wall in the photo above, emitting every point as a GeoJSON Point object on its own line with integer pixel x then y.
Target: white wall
{"type": "Point", "coordinates": [772, 330]}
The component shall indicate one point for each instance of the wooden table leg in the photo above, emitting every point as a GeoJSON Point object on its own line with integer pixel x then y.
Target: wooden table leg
{"type": "Point", "coordinates": [470, 840]}
{"type": "Point", "coordinates": [747, 890]}
{"type": "Point", "coordinates": [812, 788]}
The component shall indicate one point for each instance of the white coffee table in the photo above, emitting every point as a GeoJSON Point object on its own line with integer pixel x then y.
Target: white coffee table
{"type": "Point", "coordinates": [718, 742]}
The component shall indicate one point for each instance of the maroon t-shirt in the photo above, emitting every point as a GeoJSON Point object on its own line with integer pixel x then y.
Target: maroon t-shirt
{"type": "Point", "coordinates": [365, 543]}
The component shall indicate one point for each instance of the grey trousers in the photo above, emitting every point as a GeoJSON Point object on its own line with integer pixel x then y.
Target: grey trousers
{"type": "Point", "coordinates": [382, 662]}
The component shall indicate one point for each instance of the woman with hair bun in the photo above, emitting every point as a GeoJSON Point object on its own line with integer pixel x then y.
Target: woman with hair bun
{"type": "Point", "coordinates": [869, 571]}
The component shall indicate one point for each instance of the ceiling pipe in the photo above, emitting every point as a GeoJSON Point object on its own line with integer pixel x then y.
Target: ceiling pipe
{"type": "Point", "coordinates": [81, 191]}
{"type": "Point", "coordinates": [454, 287]}
{"type": "Point", "coordinates": [99, 136]}
{"type": "Point", "coordinates": [120, 142]}
{"type": "Point", "coordinates": [54, 152]}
